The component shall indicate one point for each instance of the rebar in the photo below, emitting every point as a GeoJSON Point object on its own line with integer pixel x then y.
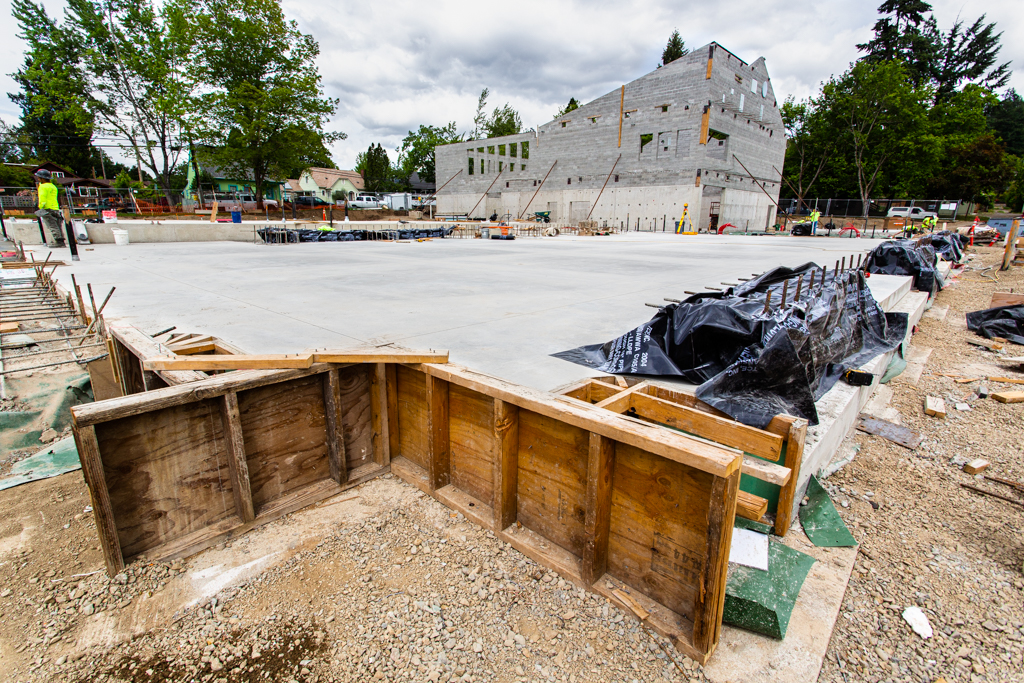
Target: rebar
{"type": "Point", "coordinates": [50, 365]}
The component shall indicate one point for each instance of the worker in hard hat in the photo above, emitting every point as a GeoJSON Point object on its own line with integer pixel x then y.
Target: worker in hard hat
{"type": "Point", "coordinates": [49, 208]}
{"type": "Point", "coordinates": [815, 215]}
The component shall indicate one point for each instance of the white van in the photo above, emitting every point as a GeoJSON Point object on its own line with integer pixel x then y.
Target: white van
{"type": "Point", "coordinates": [364, 201]}
{"type": "Point", "coordinates": [914, 212]}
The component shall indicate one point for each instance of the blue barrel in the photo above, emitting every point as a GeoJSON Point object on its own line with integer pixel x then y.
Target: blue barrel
{"type": "Point", "coordinates": [236, 216]}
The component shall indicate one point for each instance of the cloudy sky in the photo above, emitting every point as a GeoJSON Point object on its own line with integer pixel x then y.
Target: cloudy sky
{"type": "Point", "coordinates": [395, 65]}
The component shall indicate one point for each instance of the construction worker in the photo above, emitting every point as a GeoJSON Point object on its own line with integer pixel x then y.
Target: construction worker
{"type": "Point", "coordinates": [49, 209]}
{"type": "Point", "coordinates": [929, 223]}
{"type": "Point", "coordinates": [815, 215]}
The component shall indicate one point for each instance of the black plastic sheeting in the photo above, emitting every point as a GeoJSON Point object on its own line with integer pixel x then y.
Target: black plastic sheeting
{"type": "Point", "coordinates": [906, 257]}
{"type": "Point", "coordinates": [751, 364]}
{"type": "Point", "coordinates": [948, 245]}
{"type": "Point", "coordinates": [277, 235]}
{"type": "Point", "coordinates": [1004, 321]}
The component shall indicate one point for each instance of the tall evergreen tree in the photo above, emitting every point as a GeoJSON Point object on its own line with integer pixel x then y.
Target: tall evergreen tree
{"type": "Point", "coordinates": [674, 49]}
{"type": "Point", "coordinates": [376, 169]}
{"type": "Point", "coordinates": [1007, 120]}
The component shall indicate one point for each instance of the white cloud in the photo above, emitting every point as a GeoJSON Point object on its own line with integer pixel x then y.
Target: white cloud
{"type": "Point", "coordinates": [395, 65]}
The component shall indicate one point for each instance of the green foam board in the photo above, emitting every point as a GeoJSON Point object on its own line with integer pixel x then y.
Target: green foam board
{"type": "Point", "coordinates": [763, 601]}
{"type": "Point", "coordinates": [821, 521]}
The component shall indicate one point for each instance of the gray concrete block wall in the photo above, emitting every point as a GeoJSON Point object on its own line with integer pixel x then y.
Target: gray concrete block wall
{"type": "Point", "coordinates": [649, 180]}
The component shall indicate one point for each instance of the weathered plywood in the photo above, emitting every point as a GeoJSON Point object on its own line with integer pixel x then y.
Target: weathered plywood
{"type": "Point", "coordinates": [471, 433]}
{"type": "Point", "coordinates": [285, 437]}
{"type": "Point", "coordinates": [552, 479]}
{"type": "Point", "coordinates": [355, 414]}
{"type": "Point", "coordinates": [167, 473]}
{"type": "Point", "coordinates": [658, 527]}
{"type": "Point", "coordinates": [412, 415]}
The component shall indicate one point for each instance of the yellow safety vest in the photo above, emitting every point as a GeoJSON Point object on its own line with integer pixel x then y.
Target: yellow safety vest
{"type": "Point", "coordinates": [48, 197]}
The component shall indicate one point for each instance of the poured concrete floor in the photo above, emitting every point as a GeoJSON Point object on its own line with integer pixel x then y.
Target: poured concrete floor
{"type": "Point", "coordinates": [500, 307]}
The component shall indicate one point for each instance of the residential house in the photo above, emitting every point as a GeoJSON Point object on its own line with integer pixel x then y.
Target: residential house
{"type": "Point", "coordinates": [325, 182]}
{"type": "Point", "coordinates": [61, 177]}
{"type": "Point", "coordinates": [226, 184]}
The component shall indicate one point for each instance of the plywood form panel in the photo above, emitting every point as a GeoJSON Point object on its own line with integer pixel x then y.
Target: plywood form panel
{"type": "Point", "coordinates": [167, 473]}
{"type": "Point", "coordinates": [355, 414]}
{"type": "Point", "coordinates": [471, 433]}
{"type": "Point", "coordinates": [658, 530]}
{"type": "Point", "coordinates": [552, 479]}
{"type": "Point", "coordinates": [285, 437]}
{"type": "Point", "coordinates": [412, 415]}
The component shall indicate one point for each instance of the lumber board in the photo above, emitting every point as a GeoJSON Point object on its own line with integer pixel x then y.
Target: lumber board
{"type": "Point", "coordinates": [103, 511]}
{"type": "Point", "coordinates": [1000, 299]}
{"type": "Point", "coordinates": [278, 361]}
{"type": "Point", "coordinates": [189, 349]}
{"type": "Point", "coordinates": [9, 327]}
{"type": "Point", "coordinates": [707, 619]}
{"type": "Point", "coordinates": [936, 407]}
{"type": "Point", "coordinates": [412, 415]}
{"type": "Point", "coordinates": [140, 345]}
{"type": "Point", "coordinates": [380, 431]}
{"type": "Point", "coordinates": [749, 506]}
{"type": "Point", "coordinates": [391, 386]}
{"type": "Point", "coordinates": [378, 355]}
{"type": "Point", "coordinates": [795, 429]}
{"type": "Point", "coordinates": [718, 460]}
{"type": "Point", "coordinates": [337, 461]}
{"type": "Point", "coordinates": [238, 467]}
{"type": "Point", "coordinates": [600, 468]}
{"type": "Point", "coordinates": [438, 433]}
{"type": "Point", "coordinates": [767, 471]}
{"type": "Point", "coordinates": [505, 463]}
{"type": "Point", "coordinates": [1009, 396]}
{"type": "Point", "coordinates": [357, 424]}
{"type": "Point", "coordinates": [472, 435]}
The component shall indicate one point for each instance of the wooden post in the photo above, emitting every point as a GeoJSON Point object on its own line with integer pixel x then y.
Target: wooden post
{"type": "Point", "coordinates": [707, 617]}
{"type": "Point", "coordinates": [796, 434]}
{"type": "Point", "coordinates": [92, 470]}
{"type": "Point", "coordinates": [379, 419]}
{"type": "Point", "coordinates": [600, 466]}
{"type": "Point", "coordinates": [505, 460]}
{"type": "Point", "coordinates": [438, 445]}
{"type": "Point", "coordinates": [1011, 245]}
{"type": "Point", "coordinates": [335, 432]}
{"type": "Point", "coordinates": [394, 433]}
{"type": "Point", "coordinates": [238, 467]}
{"type": "Point", "coordinates": [622, 104]}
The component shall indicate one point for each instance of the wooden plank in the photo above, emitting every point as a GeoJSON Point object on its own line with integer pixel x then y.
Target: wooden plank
{"type": "Point", "coordinates": [285, 437]}
{"type": "Point", "coordinates": [472, 434]}
{"type": "Point", "coordinates": [580, 389]}
{"type": "Point", "coordinates": [721, 430]}
{"type": "Point", "coordinates": [1006, 380]}
{"type": "Point", "coordinates": [717, 460]}
{"type": "Point", "coordinates": [767, 471]}
{"type": "Point", "coordinates": [600, 468]}
{"type": "Point", "coordinates": [749, 506]}
{"type": "Point", "coordinates": [936, 407]}
{"type": "Point", "coordinates": [1009, 396]}
{"type": "Point", "coordinates": [1006, 299]}
{"type": "Point", "coordinates": [191, 349]}
{"type": "Point", "coordinates": [379, 355]}
{"type": "Point", "coordinates": [438, 437]}
{"type": "Point", "coordinates": [976, 466]}
{"type": "Point", "coordinates": [707, 619]}
{"type": "Point", "coordinates": [281, 361]}
{"type": "Point", "coordinates": [381, 431]}
{"type": "Point", "coordinates": [142, 346]}
{"type": "Point", "coordinates": [356, 415]}
{"type": "Point", "coordinates": [9, 327]}
{"type": "Point", "coordinates": [238, 468]}
{"type": "Point", "coordinates": [505, 461]}
{"type": "Point", "coordinates": [394, 435]}
{"type": "Point", "coordinates": [476, 510]}
{"type": "Point", "coordinates": [104, 382]}
{"type": "Point", "coordinates": [796, 435]}
{"type": "Point", "coordinates": [898, 434]}
{"type": "Point", "coordinates": [335, 428]}
{"type": "Point", "coordinates": [682, 398]}
{"type": "Point", "coordinates": [412, 415]}
{"type": "Point", "coordinates": [103, 511]}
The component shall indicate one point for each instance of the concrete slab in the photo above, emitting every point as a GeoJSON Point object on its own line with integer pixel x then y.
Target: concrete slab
{"type": "Point", "coordinates": [499, 306]}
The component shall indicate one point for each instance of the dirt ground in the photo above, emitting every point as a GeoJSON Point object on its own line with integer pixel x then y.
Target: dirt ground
{"type": "Point", "coordinates": [925, 540]}
{"type": "Point", "coordinates": [384, 583]}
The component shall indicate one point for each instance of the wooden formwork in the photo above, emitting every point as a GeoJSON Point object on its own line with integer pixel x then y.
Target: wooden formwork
{"type": "Point", "coordinates": [590, 484]}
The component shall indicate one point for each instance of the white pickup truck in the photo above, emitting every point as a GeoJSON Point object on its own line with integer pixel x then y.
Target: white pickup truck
{"type": "Point", "coordinates": [913, 212]}
{"type": "Point", "coordinates": [365, 201]}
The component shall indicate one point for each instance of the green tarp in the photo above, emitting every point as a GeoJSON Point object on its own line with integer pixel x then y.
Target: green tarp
{"type": "Point", "coordinates": [60, 457]}
{"type": "Point", "coordinates": [45, 401]}
{"type": "Point", "coordinates": [763, 601]}
{"type": "Point", "coordinates": [821, 521]}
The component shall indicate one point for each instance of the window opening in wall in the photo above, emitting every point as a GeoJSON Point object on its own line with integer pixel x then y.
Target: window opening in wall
{"type": "Point", "coordinates": [770, 133]}
{"type": "Point", "coordinates": [764, 89]}
{"type": "Point", "coordinates": [593, 119]}
{"type": "Point", "coordinates": [506, 184]}
{"type": "Point", "coordinates": [522, 167]}
{"type": "Point", "coordinates": [490, 149]}
{"type": "Point", "coordinates": [563, 123]}
{"type": "Point", "coordinates": [664, 108]}
{"type": "Point", "coordinates": [526, 149]}
{"type": "Point", "coordinates": [742, 98]}
{"type": "Point", "coordinates": [501, 150]}
{"type": "Point", "coordinates": [481, 167]}
{"type": "Point", "coordinates": [753, 86]}
{"type": "Point", "coordinates": [480, 150]}
{"type": "Point", "coordinates": [471, 166]}
{"type": "Point", "coordinates": [686, 108]}
{"type": "Point", "coordinates": [627, 114]}
{"type": "Point", "coordinates": [501, 165]}
{"type": "Point", "coordinates": [512, 149]}
{"type": "Point", "coordinates": [535, 183]}
{"type": "Point", "coordinates": [511, 167]}
{"type": "Point", "coordinates": [645, 139]}
{"type": "Point", "coordinates": [568, 181]}
{"type": "Point", "coordinates": [616, 177]}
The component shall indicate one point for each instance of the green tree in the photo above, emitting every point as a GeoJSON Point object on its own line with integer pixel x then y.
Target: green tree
{"type": "Point", "coordinates": [263, 107]}
{"type": "Point", "coordinates": [480, 118]}
{"type": "Point", "coordinates": [416, 155]}
{"type": "Point", "coordinates": [977, 168]}
{"type": "Point", "coordinates": [674, 49]}
{"type": "Point", "coordinates": [809, 145]}
{"type": "Point", "coordinates": [1007, 120]}
{"type": "Point", "coordinates": [876, 114]}
{"type": "Point", "coordinates": [504, 121]}
{"type": "Point", "coordinates": [1014, 195]}
{"type": "Point", "coordinates": [54, 119]}
{"type": "Point", "coordinates": [376, 169]}
{"type": "Point", "coordinates": [572, 106]}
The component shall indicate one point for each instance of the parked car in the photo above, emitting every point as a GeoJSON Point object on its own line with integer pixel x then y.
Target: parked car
{"type": "Point", "coordinates": [307, 200]}
{"type": "Point", "coordinates": [365, 201]}
{"type": "Point", "coordinates": [913, 212]}
{"type": "Point", "coordinates": [246, 202]}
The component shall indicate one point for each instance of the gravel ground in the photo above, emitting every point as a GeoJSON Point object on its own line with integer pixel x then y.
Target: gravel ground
{"type": "Point", "coordinates": [925, 540]}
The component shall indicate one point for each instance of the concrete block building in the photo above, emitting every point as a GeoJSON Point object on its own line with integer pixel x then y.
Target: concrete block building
{"type": "Point", "coordinates": [677, 138]}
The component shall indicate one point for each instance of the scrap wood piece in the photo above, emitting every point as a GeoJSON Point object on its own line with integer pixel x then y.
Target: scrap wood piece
{"type": "Point", "coordinates": [935, 407]}
{"type": "Point", "coordinates": [1009, 396]}
{"type": "Point", "coordinates": [379, 355]}
{"type": "Point", "coordinates": [1006, 380]}
{"type": "Point", "coordinates": [986, 344]}
{"type": "Point", "coordinates": [1009, 482]}
{"type": "Point", "coordinates": [280, 361]}
{"type": "Point", "coordinates": [975, 466]}
{"type": "Point", "coordinates": [749, 506]}
{"type": "Point", "coordinates": [6, 328]}
{"type": "Point", "coordinates": [993, 494]}
{"type": "Point", "coordinates": [898, 434]}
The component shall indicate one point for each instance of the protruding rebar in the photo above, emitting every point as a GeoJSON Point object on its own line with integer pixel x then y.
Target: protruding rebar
{"type": "Point", "coordinates": [767, 301]}
{"type": "Point", "coordinates": [799, 286]}
{"type": "Point", "coordinates": [785, 290]}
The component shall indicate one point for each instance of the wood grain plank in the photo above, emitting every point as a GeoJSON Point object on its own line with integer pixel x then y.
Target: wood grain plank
{"type": "Point", "coordinates": [749, 506]}
{"type": "Point", "coordinates": [379, 414]}
{"type": "Point", "coordinates": [472, 434]}
{"type": "Point", "coordinates": [238, 467]}
{"type": "Point", "coordinates": [394, 437]}
{"type": "Point", "coordinates": [707, 618]}
{"type": "Point", "coordinates": [356, 411]}
{"type": "Point", "coordinates": [438, 434]}
{"type": "Point", "coordinates": [379, 355]}
{"type": "Point", "coordinates": [505, 460]}
{"type": "Point", "coordinates": [273, 361]}
{"type": "Point", "coordinates": [335, 427]}
{"type": "Point", "coordinates": [412, 415]}
{"type": "Point", "coordinates": [141, 346]}
{"type": "Point", "coordinates": [600, 468]}
{"type": "Point", "coordinates": [796, 435]}
{"type": "Point", "coordinates": [103, 511]}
